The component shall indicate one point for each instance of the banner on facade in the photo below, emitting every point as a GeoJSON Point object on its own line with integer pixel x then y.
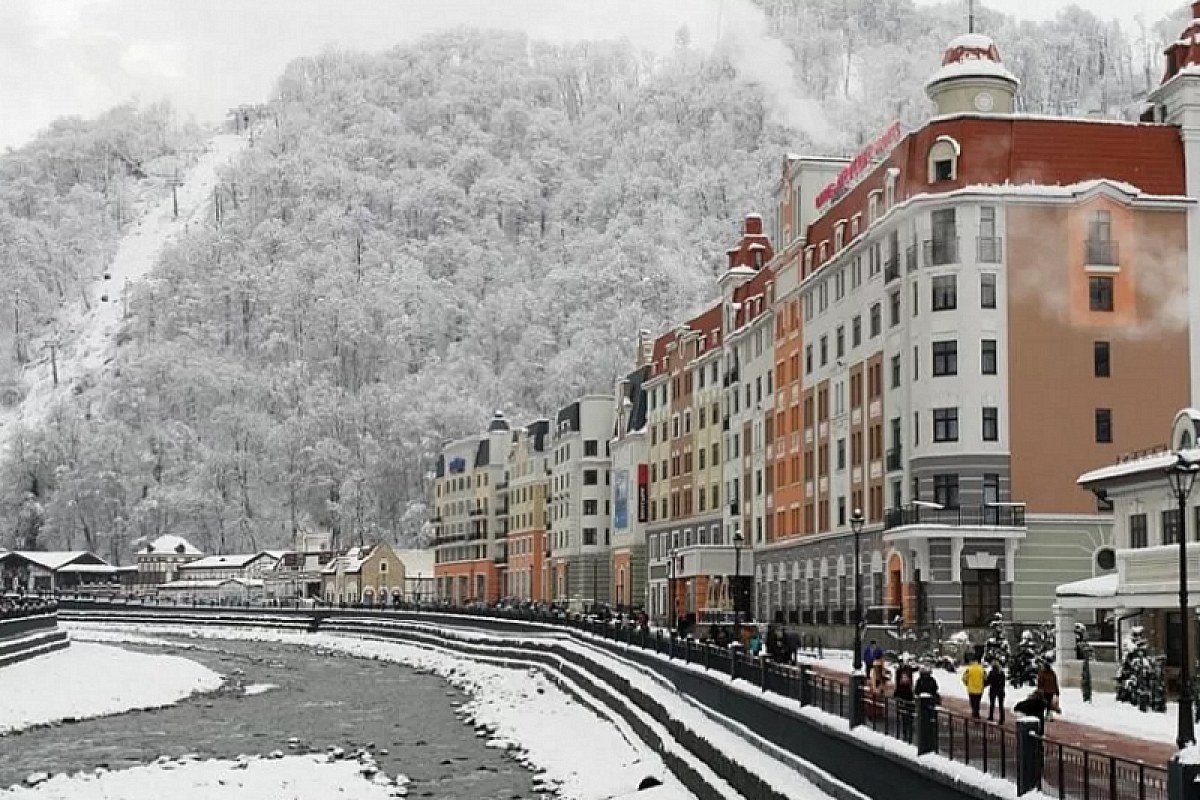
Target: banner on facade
{"type": "Point", "coordinates": [870, 155]}
{"type": "Point", "coordinates": [620, 513]}
{"type": "Point", "coordinates": [643, 495]}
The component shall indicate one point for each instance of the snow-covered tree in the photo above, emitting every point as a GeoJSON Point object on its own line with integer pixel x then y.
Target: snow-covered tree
{"type": "Point", "coordinates": [996, 648]}
{"type": "Point", "coordinates": [1141, 681]}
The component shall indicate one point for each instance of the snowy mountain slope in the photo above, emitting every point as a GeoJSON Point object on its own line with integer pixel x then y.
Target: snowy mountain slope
{"type": "Point", "coordinates": [87, 336]}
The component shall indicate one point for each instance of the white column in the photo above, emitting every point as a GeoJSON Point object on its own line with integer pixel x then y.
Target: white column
{"type": "Point", "coordinates": [1191, 154]}
{"type": "Point", "coordinates": [1064, 640]}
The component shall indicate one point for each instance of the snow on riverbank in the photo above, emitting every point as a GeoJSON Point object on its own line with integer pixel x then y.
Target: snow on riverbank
{"type": "Point", "coordinates": [95, 680]}
{"type": "Point", "coordinates": [294, 778]}
{"type": "Point", "coordinates": [586, 752]}
{"type": "Point", "coordinates": [1104, 712]}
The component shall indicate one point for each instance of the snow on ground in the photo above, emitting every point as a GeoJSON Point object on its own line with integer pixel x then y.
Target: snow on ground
{"type": "Point", "coordinates": [293, 778]}
{"type": "Point", "coordinates": [87, 337]}
{"type": "Point", "coordinates": [258, 688]}
{"type": "Point", "coordinates": [586, 752]}
{"type": "Point", "coordinates": [95, 680]}
{"type": "Point", "coordinates": [1104, 712]}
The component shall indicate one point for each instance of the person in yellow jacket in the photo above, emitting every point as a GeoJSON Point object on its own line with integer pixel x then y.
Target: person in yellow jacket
{"type": "Point", "coordinates": [974, 679]}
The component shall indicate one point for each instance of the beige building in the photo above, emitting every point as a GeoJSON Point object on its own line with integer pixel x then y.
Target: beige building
{"type": "Point", "coordinates": [527, 479]}
{"type": "Point", "coordinates": [369, 575]}
{"type": "Point", "coordinates": [158, 562]}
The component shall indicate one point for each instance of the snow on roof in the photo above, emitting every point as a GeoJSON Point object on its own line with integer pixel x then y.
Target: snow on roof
{"type": "Point", "coordinates": [350, 561]}
{"type": "Point", "coordinates": [168, 543]}
{"type": "Point", "coordinates": [51, 560]}
{"type": "Point", "coordinates": [972, 41]}
{"type": "Point", "coordinates": [1100, 586]}
{"type": "Point", "coordinates": [1155, 463]}
{"type": "Point", "coordinates": [96, 569]}
{"type": "Point", "coordinates": [973, 68]}
{"type": "Point", "coordinates": [230, 561]}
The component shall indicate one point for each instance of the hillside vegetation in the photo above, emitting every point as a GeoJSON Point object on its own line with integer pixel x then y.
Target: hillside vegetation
{"type": "Point", "coordinates": [471, 222]}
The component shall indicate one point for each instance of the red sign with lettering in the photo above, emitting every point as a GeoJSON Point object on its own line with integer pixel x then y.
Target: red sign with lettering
{"type": "Point", "coordinates": [643, 493]}
{"type": "Point", "coordinates": [870, 154]}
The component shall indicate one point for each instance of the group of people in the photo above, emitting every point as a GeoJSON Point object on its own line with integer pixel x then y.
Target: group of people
{"type": "Point", "coordinates": [1042, 701]}
{"type": "Point", "coordinates": [910, 684]}
{"type": "Point", "coordinates": [15, 605]}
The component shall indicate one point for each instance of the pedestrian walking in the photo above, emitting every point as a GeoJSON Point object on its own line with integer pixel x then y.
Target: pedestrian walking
{"type": "Point", "coordinates": [996, 680]}
{"type": "Point", "coordinates": [905, 697]}
{"type": "Point", "coordinates": [928, 685]}
{"type": "Point", "coordinates": [974, 679]}
{"type": "Point", "coordinates": [1047, 684]}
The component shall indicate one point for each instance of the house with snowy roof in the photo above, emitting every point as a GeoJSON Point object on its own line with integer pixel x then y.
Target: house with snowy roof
{"type": "Point", "coordinates": [158, 561]}
{"type": "Point", "coordinates": [60, 571]}
{"type": "Point", "coordinates": [366, 574]}
{"type": "Point", "coordinates": [247, 566]}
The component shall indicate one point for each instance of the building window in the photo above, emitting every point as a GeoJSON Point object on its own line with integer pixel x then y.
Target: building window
{"type": "Point", "coordinates": [824, 350]}
{"type": "Point", "coordinates": [991, 424]}
{"type": "Point", "coordinates": [1101, 360]}
{"type": "Point", "coordinates": [1101, 249]}
{"type": "Point", "coordinates": [894, 300]}
{"type": "Point", "coordinates": [989, 243]}
{"type": "Point", "coordinates": [589, 536]}
{"type": "Point", "coordinates": [945, 292]}
{"type": "Point", "coordinates": [980, 597]}
{"type": "Point", "coordinates": [895, 372]}
{"type": "Point", "coordinates": [591, 448]}
{"type": "Point", "coordinates": [876, 320]}
{"type": "Point", "coordinates": [590, 477]}
{"type": "Point", "coordinates": [943, 156]}
{"type": "Point", "coordinates": [1100, 293]}
{"type": "Point", "coordinates": [1104, 425]}
{"type": "Point", "coordinates": [987, 356]}
{"type": "Point", "coordinates": [987, 290]}
{"type": "Point", "coordinates": [1170, 526]}
{"type": "Point", "coordinates": [1138, 536]}
{"type": "Point", "coordinates": [945, 490]}
{"type": "Point", "coordinates": [856, 331]}
{"type": "Point", "coordinates": [590, 507]}
{"type": "Point", "coordinates": [945, 358]}
{"type": "Point", "coordinates": [945, 424]}
{"type": "Point", "coordinates": [840, 339]}
{"type": "Point", "coordinates": [808, 359]}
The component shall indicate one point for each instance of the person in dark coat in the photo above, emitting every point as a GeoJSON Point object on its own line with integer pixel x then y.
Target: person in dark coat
{"type": "Point", "coordinates": [1047, 684]}
{"type": "Point", "coordinates": [1034, 705]}
{"type": "Point", "coordinates": [904, 692]}
{"type": "Point", "coordinates": [996, 680]}
{"type": "Point", "coordinates": [928, 685]}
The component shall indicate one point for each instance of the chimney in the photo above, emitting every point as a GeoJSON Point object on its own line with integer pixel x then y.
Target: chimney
{"type": "Point", "coordinates": [1196, 9]}
{"type": "Point", "coordinates": [754, 225]}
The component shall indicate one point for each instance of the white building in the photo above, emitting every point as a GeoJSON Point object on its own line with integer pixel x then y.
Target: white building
{"type": "Point", "coordinates": [580, 503]}
{"type": "Point", "coordinates": [630, 447]}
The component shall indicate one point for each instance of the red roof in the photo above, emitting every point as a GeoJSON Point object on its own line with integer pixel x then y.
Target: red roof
{"type": "Point", "coordinates": [1022, 150]}
{"type": "Point", "coordinates": [1185, 51]}
{"type": "Point", "coordinates": [752, 297]}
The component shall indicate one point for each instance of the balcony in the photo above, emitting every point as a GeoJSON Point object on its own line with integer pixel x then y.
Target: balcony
{"type": "Point", "coordinates": [895, 459]}
{"type": "Point", "coordinates": [941, 252]}
{"type": "Point", "coordinates": [989, 249]}
{"type": "Point", "coordinates": [910, 257]}
{"type": "Point", "coordinates": [997, 515]}
{"type": "Point", "coordinates": [1102, 253]}
{"type": "Point", "coordinates": [477, 512]}
{"type": "Point", "coordinates": [891, 267]}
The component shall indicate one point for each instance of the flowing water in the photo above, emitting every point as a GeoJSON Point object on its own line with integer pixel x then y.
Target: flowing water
{"type": "Point", "coordinates": [323, 700]}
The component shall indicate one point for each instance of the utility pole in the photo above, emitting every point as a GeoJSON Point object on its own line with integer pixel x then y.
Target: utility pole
{"type": "Point", "coordinates": [970, 16]}
{"type": "Point", "coordinates": [175, 184]}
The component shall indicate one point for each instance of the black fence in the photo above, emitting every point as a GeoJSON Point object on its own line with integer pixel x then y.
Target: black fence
{"type": "Point", "coordinates": [1070, 771]}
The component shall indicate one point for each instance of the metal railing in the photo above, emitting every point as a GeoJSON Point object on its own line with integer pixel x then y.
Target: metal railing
{"type": "Point", "coordinates": [989, 249]}
{"type": "Point", "coordinates": [941, 252]}
{"type": "Point", "coordinates": [1102, 253]}
{"type": "Point", "coordinates": [1070, 771]}
{"type": "Point", "coordinates": [1004, 516]}
{"type": "Point", "coordinates": [977, 743]}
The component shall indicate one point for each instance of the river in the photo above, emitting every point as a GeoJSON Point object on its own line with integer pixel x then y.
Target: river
{"type": "Point", "coordinates": [323, 700]}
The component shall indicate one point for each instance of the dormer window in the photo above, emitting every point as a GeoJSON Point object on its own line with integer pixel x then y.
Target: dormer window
{"type": "Point", "coordinates": [839, 236]}
{"type": "Point", "coordinates": [943, 160]}
{"type": "Point", "coordinates": [855, 226]}
{"type": "Point", "coordinates": [873, 207]}
{"type": "Point", "coordinates": [758, 259]}
{"type": "Point", "coordinates": [890, 187]}
{"type": "Point", "coordinates": [824, 252]}
{"type": "Point", "coordinates": [808, 261]}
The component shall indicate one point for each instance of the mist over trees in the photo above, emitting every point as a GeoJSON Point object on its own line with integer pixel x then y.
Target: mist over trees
{"type": "Point", "coordinates": [473, 222]}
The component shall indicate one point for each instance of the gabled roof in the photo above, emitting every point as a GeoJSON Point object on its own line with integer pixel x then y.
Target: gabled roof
{"type": "Point", "coordinates": [168, 544]}
{"type": "Point", "coordinates": [55, 560]}
{"type": "Point", "coordinates": [227, 562]}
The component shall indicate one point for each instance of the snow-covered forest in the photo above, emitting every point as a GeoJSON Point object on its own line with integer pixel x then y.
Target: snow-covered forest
{"type": "Point", "coordinates": [418, 237]}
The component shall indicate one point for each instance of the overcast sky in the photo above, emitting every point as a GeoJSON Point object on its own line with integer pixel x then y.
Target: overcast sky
{"type": "Point", "coordinates": [65, 57]}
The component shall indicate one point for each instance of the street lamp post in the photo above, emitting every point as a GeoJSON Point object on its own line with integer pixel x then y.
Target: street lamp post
{"type": "Point", "coordinates": [856, 525]}
{"type": "Point", "coordinates": [738, 539]}
{"type": "Point", "coordinates": [1182, 477]}
{"type": "Point", "coordinates": [671, 588]}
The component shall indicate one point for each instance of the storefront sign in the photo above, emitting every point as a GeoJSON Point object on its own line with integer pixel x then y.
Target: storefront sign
{"type": "Point", "coordinates": [870, 155]}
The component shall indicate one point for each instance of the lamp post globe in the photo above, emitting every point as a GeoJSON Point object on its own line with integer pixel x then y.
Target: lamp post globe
{"type": "Point", "coordinates": [856, 525]}
{"type": "Point", "coordinates": [1182, 477]}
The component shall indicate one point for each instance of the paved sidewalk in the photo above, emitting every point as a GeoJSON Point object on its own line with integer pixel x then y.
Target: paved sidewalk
{"type": "Point", "coordinates": [1093, 738]}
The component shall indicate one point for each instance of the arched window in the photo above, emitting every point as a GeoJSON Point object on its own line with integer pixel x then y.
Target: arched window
{"type": "Point", "coordinates": [943, 160]}
{"type": "Point", "coordinates": [1185, 440]}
